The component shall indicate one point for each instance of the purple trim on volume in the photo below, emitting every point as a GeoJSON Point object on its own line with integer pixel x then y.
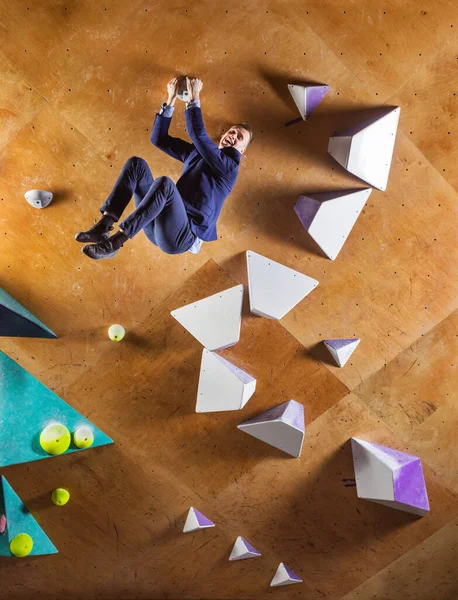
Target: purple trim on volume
{"type": "Point", "coordinates": [409, 485]}
{"type": "Point", "coordinates": [338, 344]}
{"type": "Point", "coordinates": [325, 196]}
{"type": "Point", "coordinates": [250, 547]}
{"type": "Point", "coordinates": [202, 519]}
{"type": "Point", "coordinates": [291, 574]}
{"type": "Point", "coordinates": [313, 96]}
{"type": "Point", "coordinates": [306, 209]}
{"type": "Point", "coordinates": [402, 458]}
{"type": "Point", "coordinates": [363, 124]}
{"type": "Point", "coordinates": [269, 415]}
{"type": "Point", "coordinates": [294, 415]}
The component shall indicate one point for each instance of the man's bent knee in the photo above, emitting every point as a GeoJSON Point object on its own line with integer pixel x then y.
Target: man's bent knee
{"type": "Point", "coordinates": [135, 161]}
{"type": "Point", "coordinates": [163, 182]}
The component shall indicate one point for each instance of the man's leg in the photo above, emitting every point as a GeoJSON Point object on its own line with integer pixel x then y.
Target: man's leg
{"type": "Point", "coordinates": [135, 179]}
{"type": "Point", "coordinates": [162, 207]}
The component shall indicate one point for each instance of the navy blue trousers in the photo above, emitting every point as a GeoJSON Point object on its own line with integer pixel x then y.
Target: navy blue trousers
{"type": "Point", "coordinates": [159, 211]}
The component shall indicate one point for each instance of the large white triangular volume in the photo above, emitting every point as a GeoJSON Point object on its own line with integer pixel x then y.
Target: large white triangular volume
{"type": "Point", "coordinates": [275, 289]}
{"type": "Point", "coordinates": [214, 321]}
{"type": "Point", "coordinates": [329, 217]}
{"type": "Point", "coordinates": [196, 520]}
{"type": "Point", "coordinates": [222, 385]}
{"type": "Point", "coordinates": [242, 550]}
{"type": "Point", "coordinates": [366, 149]}
{"type": "Point", "coordinates": [389, 477]}
{"type": "Point", "coordinates": [284, 576]}
{"type": "Point", "coordinates": [341, 350]}
{"type": "Point", "coordinates": [282, 427]}
{"type": "Point", "coordinates": [307, 97]}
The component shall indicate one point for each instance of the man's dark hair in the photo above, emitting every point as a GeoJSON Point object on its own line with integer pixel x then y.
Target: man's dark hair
{"type": "Point", "coordinates": [247, 128]}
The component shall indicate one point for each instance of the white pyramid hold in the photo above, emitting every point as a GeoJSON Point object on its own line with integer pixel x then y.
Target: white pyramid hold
{"type": "Point", "coordinates": [284, 576]}
{"type": "Point", "coordinates": [341, 350]}
{"type": "Point", "coordinates": [366, 150]}
{"type": "Point", "coordinates": [242, 550]}
{"type": "Point", "coordinates": [196, 520]}
{"type": "Point", "coordinates": [307, 97]}
{"type": "Point", "coordinates": [38, 198]}
{"type": "Point", "coordinates": [282, 427]}
{"type": "Point", "coordinates": [214, 321]}
{"type": "Point", "coordinates": [389, 477]}
{"type": "Point", "coordinates": [275, 289]}
{"type": "Point", "coordinates": [222, 385]}
{"type": "Point", "coordinates": [329, 217]}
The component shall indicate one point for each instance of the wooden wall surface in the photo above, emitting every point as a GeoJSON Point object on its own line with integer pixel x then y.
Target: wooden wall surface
{"type": "Point", "coordinates": [80, 84]}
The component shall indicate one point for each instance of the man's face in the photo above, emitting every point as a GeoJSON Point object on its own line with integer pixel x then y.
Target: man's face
{"type": "Point", "coordinates": [237, 137]}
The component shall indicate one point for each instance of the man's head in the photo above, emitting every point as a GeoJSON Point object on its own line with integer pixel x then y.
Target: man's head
{"type": "Point", "coordinates": [238, 136]}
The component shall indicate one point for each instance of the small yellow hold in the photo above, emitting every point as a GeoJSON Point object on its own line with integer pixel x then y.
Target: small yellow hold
{"type": "Point", "coordinates": [116, 333]}
{"type": "Point", "coordinates": [55, 438]}
{"type": "Point", "coordinates": [60, 496]}
{"type": "Point", "coordinates": [83, 437]}
{"type": "Point", "coordinates": [21, 545]}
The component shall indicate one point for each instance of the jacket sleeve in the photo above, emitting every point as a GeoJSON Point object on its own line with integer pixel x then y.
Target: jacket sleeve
{"type": "Point", "coordinates": [174, 147]}
{"type": "Point", "coordinates": [217, 160]}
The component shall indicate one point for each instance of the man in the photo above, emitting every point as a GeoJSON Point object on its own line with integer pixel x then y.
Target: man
{"type": "Point", "coordinates": [176, 218]}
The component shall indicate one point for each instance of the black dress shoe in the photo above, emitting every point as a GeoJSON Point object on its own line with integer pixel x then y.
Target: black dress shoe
{"type": "Point", "coordinates": [107, 249]}
{"type": "Point", "coordinates": [98, 232]}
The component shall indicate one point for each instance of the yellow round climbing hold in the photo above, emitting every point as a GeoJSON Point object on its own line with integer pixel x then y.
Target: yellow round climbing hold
{"type": "Point", "coordinates": [60, 496]}
{"type": "Point", "coordinates": [21, 545]}
{"type": "Point", "coordinates": [83, 437]}
{"type": "Point", "coordinates": [55, 438]}
{"type": "Point", "coordinates": [116, 333]}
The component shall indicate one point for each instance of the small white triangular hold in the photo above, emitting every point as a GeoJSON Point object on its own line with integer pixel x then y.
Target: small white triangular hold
{"type": "Point", "coordinates": [366, 150]}
{"type": "Point", "coordinates": [389, 477]}
{"type": "Point", "coordinates": [242, 550]}
{"type": "Point", "coordinates": [275, 289]}
{"type": "Point", "coordinates": [282, 427]}
{"type": "Point", "coordinates": [307, 97]}
{"type": "Point", "coordinates": [196, 520]}
{"type": "Point", "coordinates": [284, 576]}
{"type": "Point", "coordinates": [222, 385]}
{"type": "Point", "coordinates": [214, 321]}
{"type": "Point", "coordinates": [329, 217]}
{"type": "Point", "coordinates": [341, 350]}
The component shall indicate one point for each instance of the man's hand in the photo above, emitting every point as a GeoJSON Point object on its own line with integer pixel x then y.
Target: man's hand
{"type": "Point", "coordinates": [194, 87]}
{"type": "Point", "coordinates": [172, 89]}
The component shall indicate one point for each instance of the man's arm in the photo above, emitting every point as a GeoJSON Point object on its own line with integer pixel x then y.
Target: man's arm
{"type": "Point", "coordinates": [205, 146]}
{"type": "Point", "coordinates": [174, 147]}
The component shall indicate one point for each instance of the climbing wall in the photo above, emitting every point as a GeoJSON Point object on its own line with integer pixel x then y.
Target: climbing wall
{"type": "Point", "coordinates": [80, 86]}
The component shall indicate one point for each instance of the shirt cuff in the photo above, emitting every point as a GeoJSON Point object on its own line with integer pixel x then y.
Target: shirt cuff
{"type": "Point", "coordinates": [192, 103]}
{"type": "Point", "coordinates": [166, 110]}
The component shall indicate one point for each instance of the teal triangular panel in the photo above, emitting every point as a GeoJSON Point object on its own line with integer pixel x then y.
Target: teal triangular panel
{"type": "Point", "coordinates": [20, 520]}
{"type": "Point", "coordinates": [26, 408]}
{"type": "Point", "coordinates": [15, 320]}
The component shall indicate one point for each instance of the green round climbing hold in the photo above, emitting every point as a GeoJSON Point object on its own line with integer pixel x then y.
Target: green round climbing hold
{"type": "Point", "coordinates": [21, 545]}
{"type": "Point", "coordinates": [83, 437]}
{"type": "Point", "coordinates": [55, 439]}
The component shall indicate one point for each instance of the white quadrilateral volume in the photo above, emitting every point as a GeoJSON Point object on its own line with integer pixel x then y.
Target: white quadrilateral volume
{"type": "Point", "coordinates": [282, 427]}
{"type": "Point", "coordinates": [275, 289]}
{"type": "Point", "coordinates": [389, 477]}
{"type": "Point", "coordinates": [366, 149]}
{"type": "Point", "coordinates": [214, 321]}
{"type": "Point", "coordinates": [242, 550]}
{"type": "Point", "coordinates": [307, 97]}
{"type": "Point", "coordinates": [341, 350]}
{"type": "Point", "coordinates": [196, 520]}
{"type": "Point", "coordinates": [222, 385]}
{"type": "Point", "coordinates": [329, 217]}
{"type": "Point", "coordinates": [284, 576]}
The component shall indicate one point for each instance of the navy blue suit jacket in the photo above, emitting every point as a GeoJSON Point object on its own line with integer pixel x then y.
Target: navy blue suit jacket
{"type": "Point", "coordinates": [208, 175]}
